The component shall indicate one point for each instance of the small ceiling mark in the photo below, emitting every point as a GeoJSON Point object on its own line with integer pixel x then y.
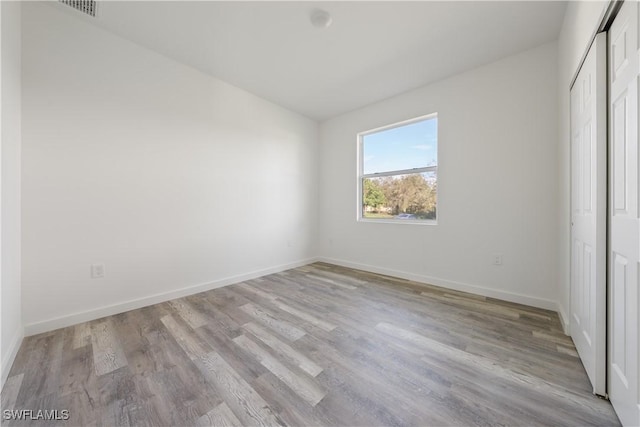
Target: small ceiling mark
{"type": "Point", "coordinates": [320, 18]}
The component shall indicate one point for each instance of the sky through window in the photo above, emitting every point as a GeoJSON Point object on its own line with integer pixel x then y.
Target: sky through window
{"type": "Point", "coordinates": [404, 147]}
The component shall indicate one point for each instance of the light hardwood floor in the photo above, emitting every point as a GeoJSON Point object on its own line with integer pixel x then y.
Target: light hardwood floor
{"type": "Point", "coordinates": [319, 345]}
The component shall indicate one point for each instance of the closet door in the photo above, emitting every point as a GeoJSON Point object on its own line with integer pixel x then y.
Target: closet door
{"type": "Point", "coordinates": [589, 213]}
{"type": "Point", "coordinates": [624, 237]}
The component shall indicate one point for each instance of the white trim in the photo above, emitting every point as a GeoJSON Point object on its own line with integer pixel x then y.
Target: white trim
{"type": "Point", "coordinates": [85, 316]}
{"type": "Point", "coordinates": [607, 15]}
{"type": "Point", "coordinates": [7, 363]}
{"type": "Point", "coordinates": [564, 319]}
{"type": "Point", "coordinates": [399, 124]}
{"type": "Point", "coordinates": [401, 172]}
{"type": "Point", "coordinates": [400, 221]}
{"type": "Point", "coordinates": [69, 320]}
{"type": "Point", "coordinates": [458, 286]}
{"type": "Point", "coordinates": [360, 162]}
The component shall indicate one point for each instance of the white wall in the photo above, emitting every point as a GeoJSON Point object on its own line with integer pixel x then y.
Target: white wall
{"type": "Point", "coordinates": [580, 23]}
{"type": "Point", "coordinates": [12, 330]}
{"type": "Point", "coordinates": [135, 161]}
{"type": "Point", "coordinates": [169, 177]}
{"type": "Point", "coordinates": [496, 181]}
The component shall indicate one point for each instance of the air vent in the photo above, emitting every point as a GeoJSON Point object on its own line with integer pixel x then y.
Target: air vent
{"type": "Point", "coordinates": [85, 6]}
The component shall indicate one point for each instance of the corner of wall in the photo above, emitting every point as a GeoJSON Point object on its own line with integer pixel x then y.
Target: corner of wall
{"type": "Point", "coordinates": [12, 330]}
{"type": "Point", "coordinates": [10, 357]}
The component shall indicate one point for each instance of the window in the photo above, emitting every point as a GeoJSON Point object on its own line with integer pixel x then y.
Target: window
{"type": "Point", "coordinates": [398, 172]}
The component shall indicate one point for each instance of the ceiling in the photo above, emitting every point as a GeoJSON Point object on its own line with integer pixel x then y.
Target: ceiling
{"type": "Point", "coordinates": [372, 50]}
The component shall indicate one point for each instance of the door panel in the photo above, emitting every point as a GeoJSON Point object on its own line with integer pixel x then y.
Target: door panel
{"type": "Point", "coordinates": [624, 229]}
{"type": "Point", "coordinates": [588, 219]}
{"type": "Point", "coordinates": [587, 167]}
{"type": "Point", "coordinates": [619, 142]}
{"type": "Point", "coordinates": [619, 293]}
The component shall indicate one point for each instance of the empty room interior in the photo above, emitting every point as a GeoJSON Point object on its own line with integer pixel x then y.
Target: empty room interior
{"type": "Point", "coordinates": [319, 213]}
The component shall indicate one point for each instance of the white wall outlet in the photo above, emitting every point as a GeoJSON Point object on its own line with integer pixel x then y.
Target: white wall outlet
{"type": "Point", "coordinates": [97, 271]}
{"type": "Point", "coordinates": [497, 259]}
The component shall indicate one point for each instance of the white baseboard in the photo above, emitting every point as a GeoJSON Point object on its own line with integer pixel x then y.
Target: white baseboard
{"type": "Point", "coordinates": [564, 319]}
{"type": "Point", "coordinates": [7, 362]}
{"type": "Point", "coordinates": [85, 316]}
{"type": "Point", "coordinates": [458, 286]}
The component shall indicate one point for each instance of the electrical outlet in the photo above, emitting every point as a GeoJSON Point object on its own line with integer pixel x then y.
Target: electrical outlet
{"type": "Point", "coordinates": [497, 259]}
{"type": "Point", "coordinates": [97, 271]}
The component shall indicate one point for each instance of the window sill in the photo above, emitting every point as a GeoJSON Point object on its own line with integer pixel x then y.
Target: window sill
{"type": "Point", "coordinates": [400, 221]}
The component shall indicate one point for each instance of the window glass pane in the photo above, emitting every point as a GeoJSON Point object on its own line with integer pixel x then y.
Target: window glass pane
{"type": "Point", "coordinates": [400, 197]}
{"type": "Point", "coordinates": [405, 147]}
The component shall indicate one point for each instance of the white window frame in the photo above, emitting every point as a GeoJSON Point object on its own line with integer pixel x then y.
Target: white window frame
{"type": "Point", "coordinates": [362, 176]}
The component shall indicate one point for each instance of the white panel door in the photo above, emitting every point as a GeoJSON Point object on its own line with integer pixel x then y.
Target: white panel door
{"type": "Point", "coordinates": [589, 213]}
{"type": "Point", "coordinates": [624, 243]}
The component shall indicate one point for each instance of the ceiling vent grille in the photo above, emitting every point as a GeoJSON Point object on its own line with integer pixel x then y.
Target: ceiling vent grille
{"type": "Point", "coordinates": [85, 6]}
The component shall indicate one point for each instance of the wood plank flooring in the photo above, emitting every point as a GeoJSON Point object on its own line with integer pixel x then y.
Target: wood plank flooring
{"type": "Point", "coordinates": [319, 345]}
